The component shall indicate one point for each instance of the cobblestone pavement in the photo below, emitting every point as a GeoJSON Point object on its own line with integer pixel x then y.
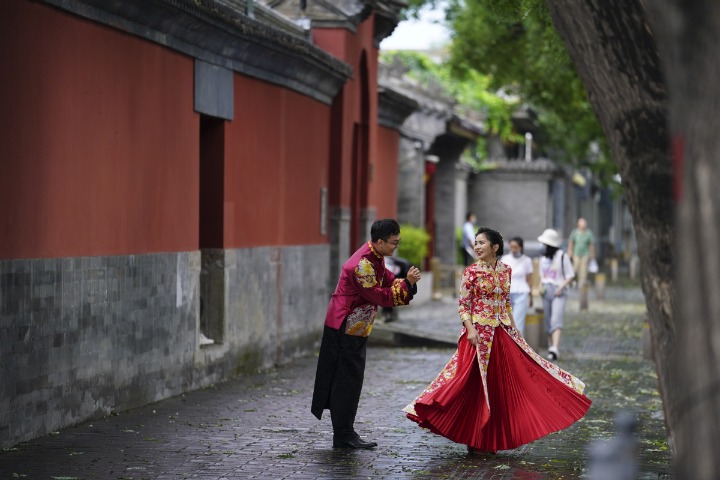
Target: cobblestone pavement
{"type": "Point", "coordinates": [260, 426]}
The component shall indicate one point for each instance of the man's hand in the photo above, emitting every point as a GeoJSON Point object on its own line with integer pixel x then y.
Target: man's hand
{"type": "Point", "coordinates": [413, 275]}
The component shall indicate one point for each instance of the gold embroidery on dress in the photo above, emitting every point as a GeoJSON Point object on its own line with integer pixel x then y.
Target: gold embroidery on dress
{"type": "Point", "coordinates": [487, 334]}
{"type": "Point", "coordinates": [488, 308]}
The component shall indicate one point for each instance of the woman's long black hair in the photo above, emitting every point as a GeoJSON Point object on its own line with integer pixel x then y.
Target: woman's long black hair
{"type": "Point", "coordinates": [494, 237]}
{"type": "Point", "coordinates": [550, 251]}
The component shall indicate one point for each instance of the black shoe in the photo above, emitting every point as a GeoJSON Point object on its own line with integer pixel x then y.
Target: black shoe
{"type": "Point", "coordinates": [353, 442]}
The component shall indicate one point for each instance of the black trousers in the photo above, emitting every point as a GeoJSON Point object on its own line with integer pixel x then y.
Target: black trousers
{"type": "Point", "coordinates": [339, 379]}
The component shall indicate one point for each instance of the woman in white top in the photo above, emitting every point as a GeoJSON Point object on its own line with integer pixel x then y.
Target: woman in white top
{"type": "Point", "coordinates": [556, 273]}
{"type": "Point", "coordinates": [520, 291]}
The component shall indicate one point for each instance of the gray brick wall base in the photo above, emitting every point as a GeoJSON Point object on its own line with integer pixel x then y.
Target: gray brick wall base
{"type": "Point", "coordinates": [339, 233]}
{"type": "Point", "coordinates": [82, 337]}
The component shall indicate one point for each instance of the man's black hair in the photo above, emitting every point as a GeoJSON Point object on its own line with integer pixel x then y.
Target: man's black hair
{"type": "Point", "coordinates": [384, 229]}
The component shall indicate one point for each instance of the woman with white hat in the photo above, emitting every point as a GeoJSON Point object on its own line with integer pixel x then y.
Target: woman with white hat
{"type": "Point", "coordinates": [556, 273]}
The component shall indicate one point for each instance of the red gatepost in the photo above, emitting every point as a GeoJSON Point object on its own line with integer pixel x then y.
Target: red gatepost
{"type": "Point", "coordinates": [431, 162]}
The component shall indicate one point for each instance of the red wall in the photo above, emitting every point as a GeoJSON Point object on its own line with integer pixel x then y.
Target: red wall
{"type": "Point", "coordinates": [384, 183]}
{"type": "Point", "coordinates": [100, 145]}
{"type": "Point", "coordinates": [277, 151]}
{"type": "Point", "coordinates": [98, 140]}
{"type": "Point", "coordinates": [351, 188]}
{"type": "Point", "coordinates": [349, 47]}
{"type": "Point", "coordinates": [345, 112]}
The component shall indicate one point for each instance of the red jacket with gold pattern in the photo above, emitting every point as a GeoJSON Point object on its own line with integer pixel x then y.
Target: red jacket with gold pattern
{"type": "Point", "coordinates": [364, 284]}
{"type": "Point", "coordinates": [485, 294]}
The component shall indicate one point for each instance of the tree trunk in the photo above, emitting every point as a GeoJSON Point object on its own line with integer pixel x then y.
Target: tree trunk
{"type": "Point", "coordinates": [617, 59]}
{"type": "Point", "coordinates": [688, 35]}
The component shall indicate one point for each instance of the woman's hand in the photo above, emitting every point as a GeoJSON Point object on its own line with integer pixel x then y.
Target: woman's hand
{"type": "Point", "coordinates": [512, 322]}
{"type": "Point", "coordinates": [473, 337]}
{"type": "Point", "coordinates": [559, 291]}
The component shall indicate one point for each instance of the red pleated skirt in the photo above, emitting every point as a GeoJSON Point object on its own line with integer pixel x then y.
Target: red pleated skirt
{"type": "Point", "coordinates": [525, 401]}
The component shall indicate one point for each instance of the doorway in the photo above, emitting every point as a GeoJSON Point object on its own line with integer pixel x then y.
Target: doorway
{"type": "Point", "coordinates": [212, 195]}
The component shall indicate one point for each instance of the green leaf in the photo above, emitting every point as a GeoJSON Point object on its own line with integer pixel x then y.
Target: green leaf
{"type": "Point", "coordinates": [511, 50]}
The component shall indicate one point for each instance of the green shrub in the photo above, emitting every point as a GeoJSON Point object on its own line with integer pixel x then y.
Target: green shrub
{"type": "Point", "coordinates": [414, 244]}
{"type": "Point", "coordinates": [459, 250]}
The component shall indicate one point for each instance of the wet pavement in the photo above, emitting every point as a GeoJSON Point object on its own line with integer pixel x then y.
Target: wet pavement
{"type": "Point", "coordinates": [260, 426]}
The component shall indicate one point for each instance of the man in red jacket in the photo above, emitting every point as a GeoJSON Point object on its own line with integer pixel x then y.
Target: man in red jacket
{"type": "Point", "coordinates": [364, 285]}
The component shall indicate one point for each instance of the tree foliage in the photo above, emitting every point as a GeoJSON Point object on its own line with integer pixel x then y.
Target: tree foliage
{"type": "Point", "coordinates": [414, 7]}
{"type": "Point", "coordinates": [471, 93]}
{"type": "Point", "coordinates": [415, 244]}
{"type": "Point", "coordinates": [513, 46]}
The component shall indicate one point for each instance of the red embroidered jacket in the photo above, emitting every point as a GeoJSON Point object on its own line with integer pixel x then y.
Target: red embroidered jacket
{"type": "Point", "coordinates": [485, 294]}
{"type": "Point", "coordinates": [364, 284]}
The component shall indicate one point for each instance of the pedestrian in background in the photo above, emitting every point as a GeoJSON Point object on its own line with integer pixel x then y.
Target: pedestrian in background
{"type": "Point", "coordinates": [556, 273]}
{"type": "Point", "coordinates": [495, 393]}
{"type": "Point", "coordinates": [364, 284]}
{"type": "Point", "coordinates": [581, 249]}
{"type": "Point", "coordinates": [520, 291]}
{"type": "Point", "coordinates": [468, 238]}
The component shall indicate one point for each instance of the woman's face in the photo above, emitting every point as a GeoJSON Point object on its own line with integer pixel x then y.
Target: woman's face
{"type": "Point", "coordinates": [484, 249]}
{"type": "Point", "coordinates": [514, 247]}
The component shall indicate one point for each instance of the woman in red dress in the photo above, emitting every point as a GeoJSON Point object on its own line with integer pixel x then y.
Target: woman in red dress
{"type": "Point", "coordinates": [495, 393]}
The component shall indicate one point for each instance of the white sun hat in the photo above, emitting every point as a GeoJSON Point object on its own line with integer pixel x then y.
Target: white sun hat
{"type": "Point", "coordinates": [550, 237]}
